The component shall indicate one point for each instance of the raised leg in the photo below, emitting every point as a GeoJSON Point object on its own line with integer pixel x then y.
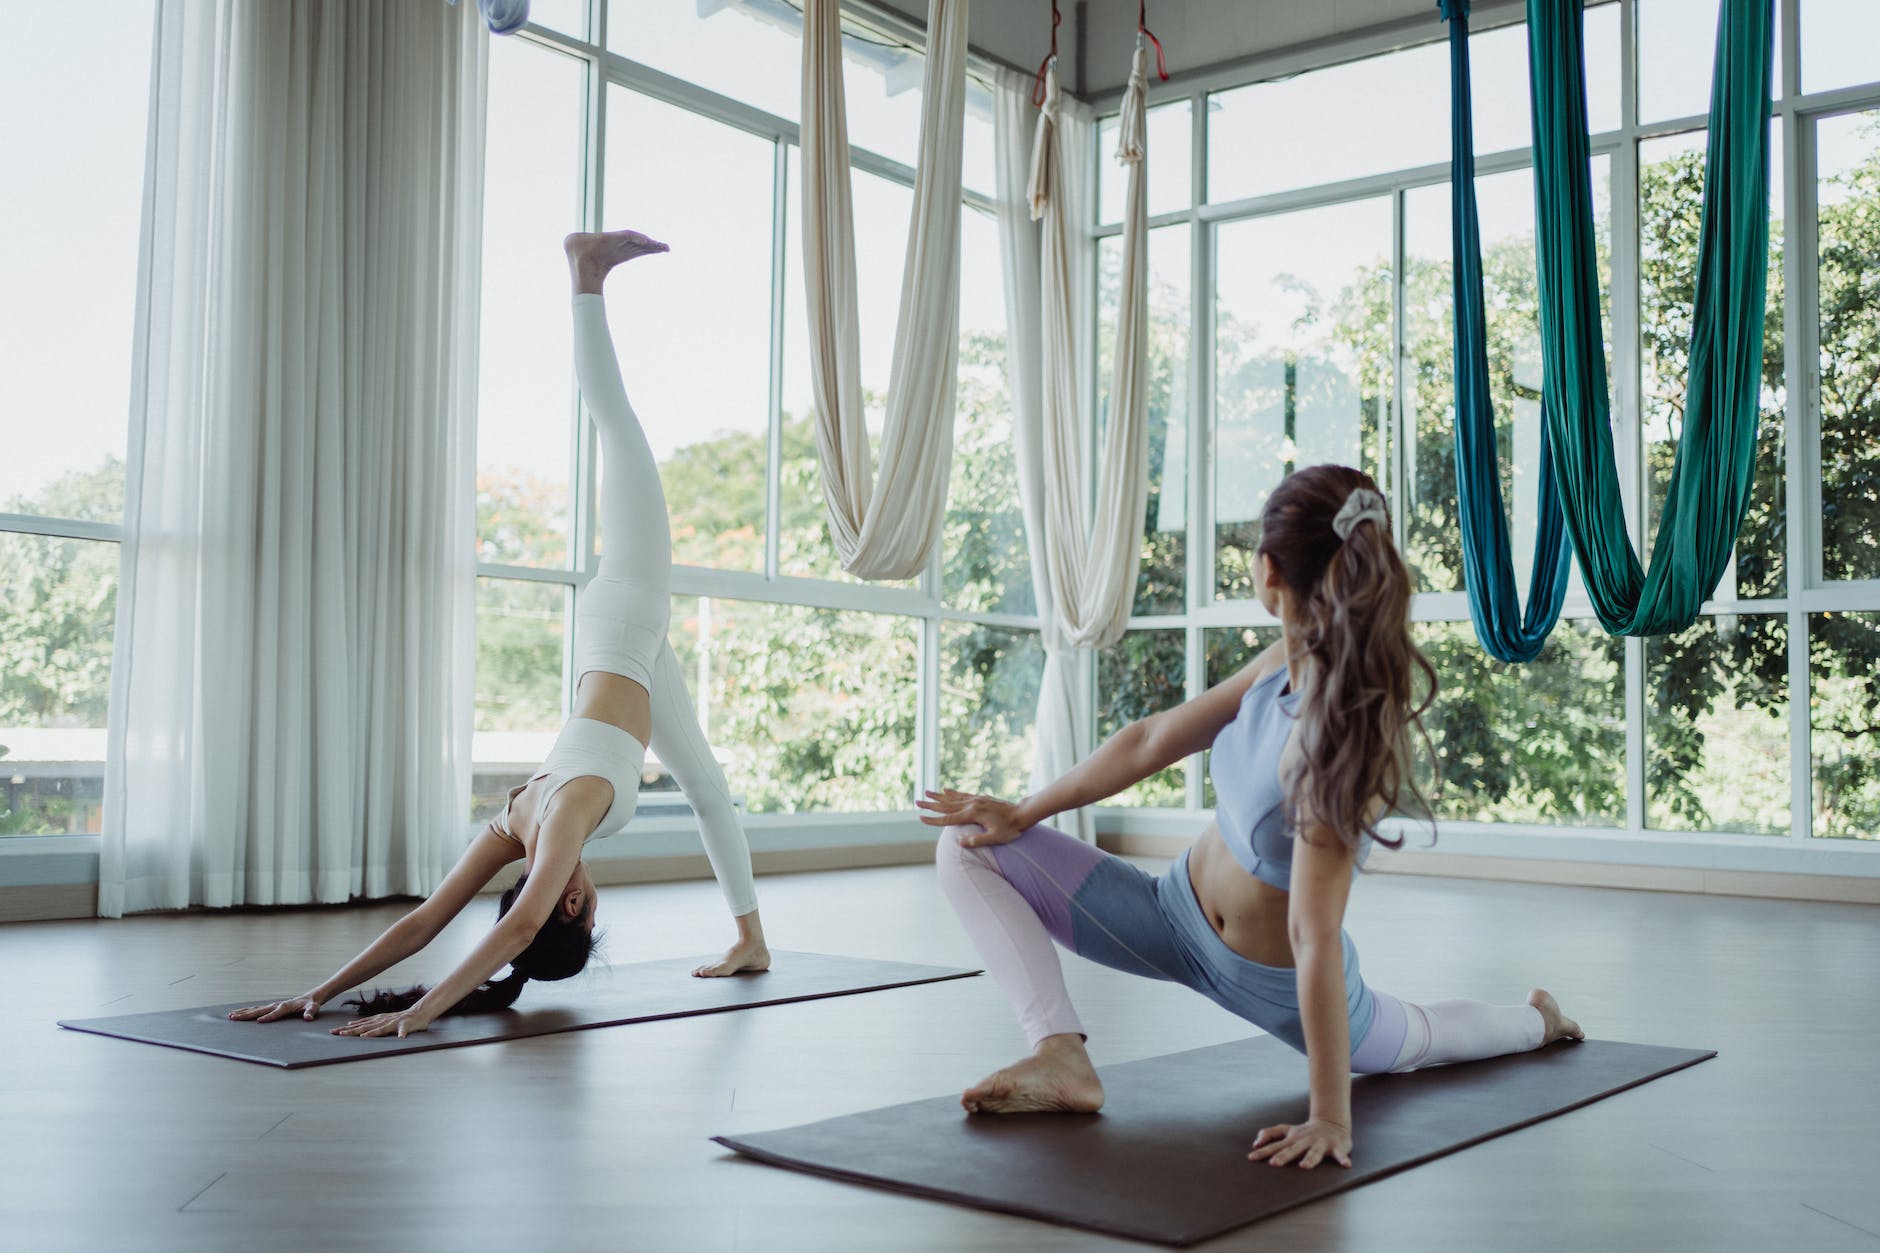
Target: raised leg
{"type": "Point", "coordinates": [636, 537]}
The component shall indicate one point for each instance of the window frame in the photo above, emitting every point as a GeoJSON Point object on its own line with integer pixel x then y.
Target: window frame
{"type": "Point", "coordinates": [925, 601]}
{"type": "Point", "coordinates": [1795, 114]}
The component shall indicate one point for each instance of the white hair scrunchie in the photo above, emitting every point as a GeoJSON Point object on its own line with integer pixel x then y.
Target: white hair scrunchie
{"type": "Point", "coordinates": [1363, 505]}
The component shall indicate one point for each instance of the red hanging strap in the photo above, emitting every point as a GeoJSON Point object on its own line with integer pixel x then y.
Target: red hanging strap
{"type": "Point", "coordinates": [1142, 28]}
{"type": "Point", "coordinates": [1037, 87]}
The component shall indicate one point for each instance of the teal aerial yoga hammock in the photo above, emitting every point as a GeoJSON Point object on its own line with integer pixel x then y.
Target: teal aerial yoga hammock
{"type": "Point", "coordinates": [1487, 564]}
{"type": "Point", "coordinates": [1710, 481]}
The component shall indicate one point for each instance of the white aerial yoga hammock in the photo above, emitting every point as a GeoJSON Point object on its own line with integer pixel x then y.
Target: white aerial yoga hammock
{"type": "Point", "coordinates": [889, 533]}
{"type": "Point", "coordinates": [1045, 301]}
{"type": "Point", "coordinates": [1093, 567]}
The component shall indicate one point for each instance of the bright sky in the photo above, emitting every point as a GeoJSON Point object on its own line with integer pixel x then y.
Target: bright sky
{"type": "Point", "coordinates": [699, 356]}
{"type": "Point", "coordinates": [74, 88]}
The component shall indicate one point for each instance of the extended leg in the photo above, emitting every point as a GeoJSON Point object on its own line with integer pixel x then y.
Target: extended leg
{"type": "Point", "coordinates": [680, 745]}
{"type": "Point", "coordinates": [1442, 1032]}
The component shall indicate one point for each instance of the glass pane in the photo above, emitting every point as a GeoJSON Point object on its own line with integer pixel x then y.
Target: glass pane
{"type": "Point", "coordinates": [979, 155]}
{"type": "Point", "coordinates": [1542, 742]}
{"type": "Point", "coordinates": [985, 564]}
{"type": "Point", "coordinates": [1717, 727]}
{"type": "Point", "coordinates": [1505, 208]}
{"type": "Point", "coordinates": [567, 16]}
{"type": "Point", "coordinates": [75, 83]}
{"type": "Point", "coordinates": [1847, 224]}
{"type": "Point", "coordinates": [1161, 584]}
{"type": "Point", "coordinates": [1258, 143]}
{"type": "Point", "coordinates": [1838, 42]}
{"type": "Point", "coordinates": [1677, 46]}
{"type": "Point", "coordinates": [1171, 162]}
{"type": "Point", "coordinates": [1671, 195]}
{"type": "Point", "coordinates": [1325, 125]}
{"type": "Point", "coordinates": [1498, 80]}
{"type": "Point", "coordinates": [808, 709]}
{"type": "Point", "coordinates": [692, 328]}
{"type": "Point", "coordinates": [525, 398]}
{"type": "Point", "coordinates": [1302, 362]}
{"type": "Point", "coordinates": [55, 682]}
{"type": "Point", "coordinates": [1228, 649]}
{"type": "Point", "coordinates": [751, 52]}
{"type": "Point", "coordinates": [989, 680]}
{"type": "Point", "coordinates": [1143, 673]}
{"type": "Point", "coordinates": [881, 213]}
{"type": "Point", "coordinates": [522, 633]}
{"type": "Point", "coordinates": [1844, 709]}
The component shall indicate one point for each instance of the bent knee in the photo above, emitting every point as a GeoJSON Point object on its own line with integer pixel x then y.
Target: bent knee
{"type": "Point", "coordinates": [950, 851]}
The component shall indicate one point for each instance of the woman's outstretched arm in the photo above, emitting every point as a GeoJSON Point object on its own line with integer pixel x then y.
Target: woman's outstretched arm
{"type": "Point", "coordinates": [577, 808]}
{"type": "Point", "coordinates": [1139, 750]}
{"type": "Point", "coordinates": [1321, 886]}
{"type": "Point", "coordinates": [487, 854]}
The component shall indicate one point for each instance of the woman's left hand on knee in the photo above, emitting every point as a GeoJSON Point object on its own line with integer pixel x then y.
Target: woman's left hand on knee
{"type": "Point", "coordinates": [997, 819]}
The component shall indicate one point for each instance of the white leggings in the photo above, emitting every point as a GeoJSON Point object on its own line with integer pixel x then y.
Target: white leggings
{"type": "Point", "coordinates": [624, 611]}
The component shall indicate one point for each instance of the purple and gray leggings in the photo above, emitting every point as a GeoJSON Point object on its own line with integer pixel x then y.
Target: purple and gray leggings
{"type": "Point", "coordinates": [1015, 899]}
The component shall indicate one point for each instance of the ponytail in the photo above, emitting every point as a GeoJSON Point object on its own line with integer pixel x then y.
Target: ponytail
{"type": "Point", "coordinates": [485, 998]}
{"type": "Point", "coordinates": [1365, 685]}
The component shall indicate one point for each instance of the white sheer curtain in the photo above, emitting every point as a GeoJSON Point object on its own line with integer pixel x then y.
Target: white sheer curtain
{"type": "Point", "coordinates": [884, 530]}
{"type": "Point", "coordinates": [291, 689]}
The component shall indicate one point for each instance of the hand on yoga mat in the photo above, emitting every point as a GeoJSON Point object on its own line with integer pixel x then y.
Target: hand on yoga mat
{"type": "Point", "coordinates": [401, 1024]}
{"type": "Point", "coordinates": [950, 808]}
{"type": "Point", "coordinates": [1308, 1143]}
{"type": "Point", "coordinates": [305, 1006]}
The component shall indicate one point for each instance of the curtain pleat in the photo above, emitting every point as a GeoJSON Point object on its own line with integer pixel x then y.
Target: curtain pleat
{"type": "Point", "coordinates": [294, 659]}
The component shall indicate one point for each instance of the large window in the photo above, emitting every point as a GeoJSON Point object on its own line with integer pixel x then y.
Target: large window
{"type": "Point", "coordinates": [818, 692]}
{"type": "Point", "coordinates": [77, 89]}
{"type": "Point", "coordinates": [1320, 220]}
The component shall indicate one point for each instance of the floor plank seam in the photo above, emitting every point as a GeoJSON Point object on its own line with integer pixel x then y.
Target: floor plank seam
{"type": "Point", "coordinates": [1691, 1161]}
{"type": "Point", "coordinates": [1837, 1218]}
{"type": "Point", "coordinates": [199, 1191]}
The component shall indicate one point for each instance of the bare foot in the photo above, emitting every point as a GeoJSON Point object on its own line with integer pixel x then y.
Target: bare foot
{"type": "Point", "coordinates": [1058, 1078]}
{"type": "Point", "coordinates": [591, 255]}
{"type": "Point", "coordinates": [752, 955]}
{"type": "Point", "coordinates": [1559, 1026]}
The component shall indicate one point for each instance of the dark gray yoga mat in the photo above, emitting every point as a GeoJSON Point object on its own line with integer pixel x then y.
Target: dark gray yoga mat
{"type": "Point", "coordinates": [640, 992]}
{"type": "Point", "coordinates": [1166, 1159]}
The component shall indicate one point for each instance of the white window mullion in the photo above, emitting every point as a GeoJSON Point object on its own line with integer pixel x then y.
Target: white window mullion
{"type": "Point", "coordinates": [779, 254]}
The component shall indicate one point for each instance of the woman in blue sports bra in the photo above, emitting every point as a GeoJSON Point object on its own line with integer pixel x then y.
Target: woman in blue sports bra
{"type": "Point", "coordinates": [1311, 745]}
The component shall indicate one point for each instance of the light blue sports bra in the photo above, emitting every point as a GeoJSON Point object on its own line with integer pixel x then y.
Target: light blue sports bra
{"type": "Point", "coordinates": [1250, 800]}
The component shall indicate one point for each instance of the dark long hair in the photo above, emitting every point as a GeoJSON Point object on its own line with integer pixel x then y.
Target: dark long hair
{"type": "Point", "coordinates": [560, 950]}
{"type": "Point", "coordinates": [1365, 686]}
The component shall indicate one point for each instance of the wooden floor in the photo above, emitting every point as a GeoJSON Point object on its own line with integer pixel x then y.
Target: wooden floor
{"type": "Point", "coordinates": [597, 1140]}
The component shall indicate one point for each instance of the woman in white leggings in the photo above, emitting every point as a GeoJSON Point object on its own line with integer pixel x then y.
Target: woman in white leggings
{"type": "Point", "coordinates": [629, 692]}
